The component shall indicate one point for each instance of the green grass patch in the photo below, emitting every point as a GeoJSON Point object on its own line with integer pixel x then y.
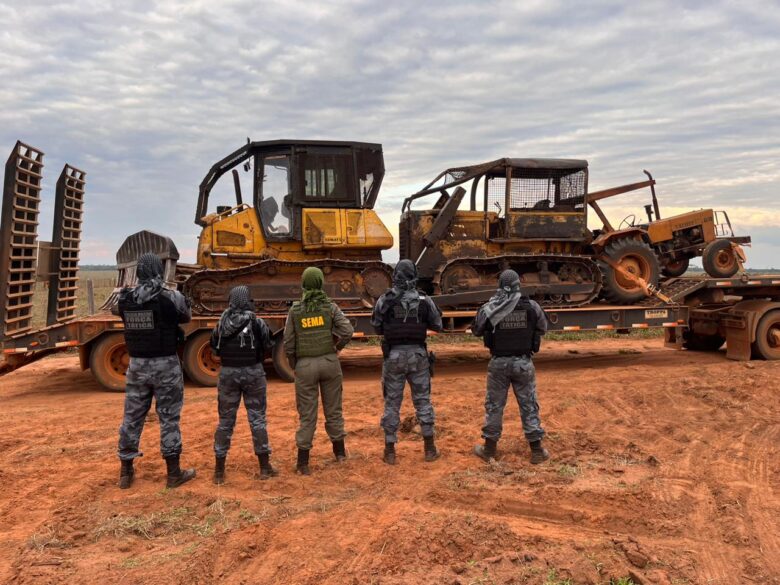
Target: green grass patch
{"type": "Point", "coordinates": [553, 579]}
{"type": "Point", "coordinates": [147, 526]}
{"type": "Point", "coordinates": [47, 538]}
{"type": "Point", "coordinates": [566, 470]}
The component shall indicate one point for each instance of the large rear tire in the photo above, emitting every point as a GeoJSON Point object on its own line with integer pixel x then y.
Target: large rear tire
{"type": "Point", "coordinates": [635, 256]}
{"type": "Point", "coordinates": [674, 268]}
{"type": "Point", "coordinates": [283, 368]}
{"type": "Point", "coordinates": [109, 360]}
{"type": "Point", "coordinates": [767, 343]}
{"type": "Point", "coordinates": [719, 259]}
{"type": "Point", "coordinates": [200, 364]}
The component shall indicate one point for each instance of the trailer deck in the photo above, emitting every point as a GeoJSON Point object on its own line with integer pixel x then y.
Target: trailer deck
{"type": "Point", "coordinates": [742, 311]}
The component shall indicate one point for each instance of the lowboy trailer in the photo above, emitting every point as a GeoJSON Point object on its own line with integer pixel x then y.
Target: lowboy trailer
{"type": "Point", "coordinates": [742, 312]}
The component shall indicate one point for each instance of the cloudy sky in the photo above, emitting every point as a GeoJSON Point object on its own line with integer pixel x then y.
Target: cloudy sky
{"type": "Point", "coordinates": [144, 96]}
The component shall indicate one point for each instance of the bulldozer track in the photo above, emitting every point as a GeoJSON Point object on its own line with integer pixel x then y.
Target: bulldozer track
{"type": "Point", "coordinates": [512, 260]}
{"type": "Point", "coordinates": [360, 297]}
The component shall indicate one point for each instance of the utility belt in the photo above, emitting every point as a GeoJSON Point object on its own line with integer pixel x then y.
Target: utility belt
{"type": "Point", "coordinates": [387, 348]}
{"type": "Point", "coordinates": [512, 355]}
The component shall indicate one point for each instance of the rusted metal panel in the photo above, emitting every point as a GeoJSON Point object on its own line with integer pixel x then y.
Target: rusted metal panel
{"type": "Point", "coordinates": [548, 226]}
{"type": "Point", "coordinates": [66, 245]}
{"type": "Point", "coordinates": [18, 237]}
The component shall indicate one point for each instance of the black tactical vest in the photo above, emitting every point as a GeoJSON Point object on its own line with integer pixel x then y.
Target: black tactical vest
{"type": "Point", "coordinates": [402, 329]}
{"type": "Point", "coordinates": [514, 336]}
{"type": "Point", "coordinates": [151, 329]}
{"type": "Point", "coordinates": [233, 355]}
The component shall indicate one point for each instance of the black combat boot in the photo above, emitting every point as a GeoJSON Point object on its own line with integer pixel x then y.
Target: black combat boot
{"type": "Point", "coordinates": [487, 451]}
{"type": "Point", "coordinates": [389, 456]}
{"type": "Point", "coordinates": [177, 475]}
{"type": "Point", "coordinates": [538, 453]}
{"type": "Point", "coordinates": [339, 450]}
{"type": "Point", "coordinates": [126, 474]}
{"type": "Point", "coordinates": [266, 469]}
{"type": "Point", "coordinates": [431, 452]}
{"type": "Point", "coordinates": [219, 470]}
{"type": "Point", "coordinates": [302, 466]}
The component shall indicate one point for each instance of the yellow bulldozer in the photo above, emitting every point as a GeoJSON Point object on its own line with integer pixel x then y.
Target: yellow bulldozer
{"type": "Point", "coordinates": [311, 204]}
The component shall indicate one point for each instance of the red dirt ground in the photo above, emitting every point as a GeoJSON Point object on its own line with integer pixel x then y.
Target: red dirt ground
{"type": "Point", "coordinates": [664, 470]}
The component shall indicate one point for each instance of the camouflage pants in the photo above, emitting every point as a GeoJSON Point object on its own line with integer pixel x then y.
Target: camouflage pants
{"type": "Point", "coordinates": [520, 373]}
{"type": "Point", "coordinates": [400, 366]}
{"type": "Point", "coordinates": [234, 383]}
{"type": "Point", "coordinates": [159, 378]}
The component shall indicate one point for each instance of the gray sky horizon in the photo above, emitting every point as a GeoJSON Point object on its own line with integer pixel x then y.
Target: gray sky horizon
{"type": "Point", "coordinates": [145, 96]}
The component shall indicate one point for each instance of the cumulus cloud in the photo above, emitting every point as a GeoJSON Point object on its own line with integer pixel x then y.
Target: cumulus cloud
{"type": "Point", "coordinates": [146, 95]}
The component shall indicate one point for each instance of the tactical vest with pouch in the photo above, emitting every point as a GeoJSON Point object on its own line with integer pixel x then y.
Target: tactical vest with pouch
{"type": "Point", "coordinates": [313, 330]}
{"type": "Point", "coordinates": [400, 328]}
{"type": "Point", "coordinates": [151, 329]}
{"type": "Point", "coordinates": [238, 351]}
{"type": "Point", "coordinates": [515, 335]}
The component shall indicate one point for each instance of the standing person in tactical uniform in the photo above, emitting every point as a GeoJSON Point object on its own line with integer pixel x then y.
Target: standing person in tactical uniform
{"type": "Point", "coordinates": [312, 324]}
{"type": "Point", "coordinates": [403, 316]}
{"type": "Point", "coordinates": [241, 340]}
{"type": "Point", "coordinates": [512, 327]}
{"type": "Point", "coordinates": [151, 316]}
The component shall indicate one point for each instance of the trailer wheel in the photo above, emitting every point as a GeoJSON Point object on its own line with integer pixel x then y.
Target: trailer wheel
{"type": "Point", "coordinates": [696, 342]}
{"type": "Point", "coordinates": [719, 259]}
{"type": "Point", "coordinates": [283, 368]}
{"type": "Point", "coordinates": [200, 364]}
{"type": "Point", "coordinates": [767, 343]}
{"type": "Point", "coordinates": [109, 360]}
{"type": "Point", "coordinates": [674, 268]}
{"type": "Point", "coordinates": [634, 256]}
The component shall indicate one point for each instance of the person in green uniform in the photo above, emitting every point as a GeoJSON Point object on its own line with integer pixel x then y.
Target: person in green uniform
{"type": "Point", "coordinates": [315, 331]}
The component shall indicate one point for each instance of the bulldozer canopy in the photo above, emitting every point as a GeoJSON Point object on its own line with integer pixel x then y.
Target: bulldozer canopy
{"type": "Point", "coordinates": [519, 168]}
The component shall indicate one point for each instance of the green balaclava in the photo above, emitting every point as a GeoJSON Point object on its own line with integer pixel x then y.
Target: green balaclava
{"type": "Point", "coordinates": [313, 298]}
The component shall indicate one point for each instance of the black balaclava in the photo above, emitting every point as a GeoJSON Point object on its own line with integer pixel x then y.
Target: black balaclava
{"type": "Point", "coordinates": [237, 316]}
{"type": "Point", "coordinates": [404, 288]}
{"type": "Point", "coordinates": [149, 272]}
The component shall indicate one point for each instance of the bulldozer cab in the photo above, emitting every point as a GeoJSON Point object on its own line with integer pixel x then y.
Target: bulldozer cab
{"type": "Point", "coordinates": [537, 199]}
{"type": "Point", "coordinates": [291, 175]}
{"type": "Point", "coordinates": [307, 196]}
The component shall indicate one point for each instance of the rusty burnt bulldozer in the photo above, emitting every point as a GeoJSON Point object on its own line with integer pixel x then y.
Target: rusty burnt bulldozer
{"type": "Point", "coordinates": [529, 215]}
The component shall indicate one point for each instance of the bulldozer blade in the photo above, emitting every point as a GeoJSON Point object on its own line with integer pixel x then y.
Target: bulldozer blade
{"type": "Point", "coordinates": [127, 261]}
{"type": "Point", "coordinates": [66, 245]}
{"type": "Point", "coordinates": [18, 237]}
